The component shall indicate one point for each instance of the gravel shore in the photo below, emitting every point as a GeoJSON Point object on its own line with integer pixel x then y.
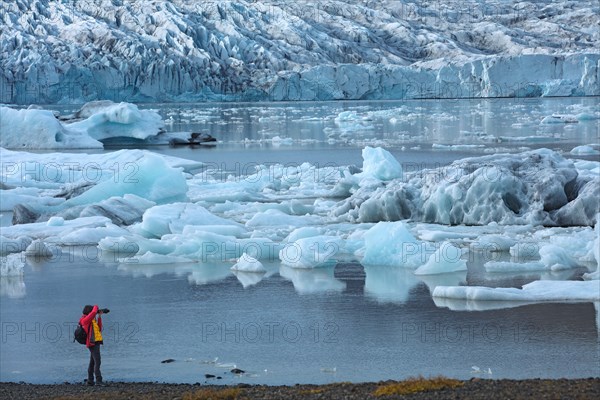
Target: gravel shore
{"type": "Point", "coordinates": [472, 389]}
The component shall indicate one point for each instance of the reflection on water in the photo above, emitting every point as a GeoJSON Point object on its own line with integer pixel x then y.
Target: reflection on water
{"type": "Point", "coordinates": [293, 323]}
{"type": "Point", "coordinates": [309, 280]}
{"type": "Point", "coordinates": [12, 287]}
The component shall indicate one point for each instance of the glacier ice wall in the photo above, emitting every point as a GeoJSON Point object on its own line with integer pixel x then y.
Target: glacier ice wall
{"type": "Point", "coordinates": [75, 51]}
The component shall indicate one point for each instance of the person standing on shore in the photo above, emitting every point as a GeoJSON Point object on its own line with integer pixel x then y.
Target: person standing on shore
{"type": "Point", "coordinates": [91, 321]}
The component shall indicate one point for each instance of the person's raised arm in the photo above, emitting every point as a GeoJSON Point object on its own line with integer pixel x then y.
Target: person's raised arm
{"type": "Point", "coordinates": [88, 318]}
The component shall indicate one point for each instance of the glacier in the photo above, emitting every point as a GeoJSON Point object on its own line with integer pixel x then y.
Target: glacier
{"type": "Point", "coordinates": [73, 52]}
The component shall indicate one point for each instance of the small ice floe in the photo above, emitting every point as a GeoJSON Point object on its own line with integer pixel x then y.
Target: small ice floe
{"type": "Point", "coordinates": [329, 370]}
{"type": "Point", "coordinates": [213, 361]}
{"type": "Point", "coordinates": [226, 365]}
{"type": "Point", "coordinates": [585, 150]}
{"type": "Point", "coordinates": [248, 263]}
{"type": "Point", "coordinates": [560, 119]}
{"type": "Point", "coordinates": [476, 370]}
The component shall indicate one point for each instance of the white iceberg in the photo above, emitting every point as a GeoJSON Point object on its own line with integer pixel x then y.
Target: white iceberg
{"type": "Point", "coordinates": [380, 164]}
{"type": "Point", "coordinates": [40, 129]}
{"type": "Point", "coordinates": [247, 263]}
{"type": "Point", "coordinates": [391, 244]}
{"type": "Point", "coordinates": [447, 258]}
{"type": "Point", "coordinates": [311, 252]}
{"type": "Point", "coordinates": [538, 291]}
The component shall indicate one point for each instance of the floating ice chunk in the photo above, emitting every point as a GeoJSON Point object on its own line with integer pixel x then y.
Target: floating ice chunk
{"type": "Point", "coordinates": [173, 218]}
{"type": "Point", "coordinates": [124, 210]}
{"type": "Point", "coordinates": [13, 244]}
{"type": "Point", "coordinates": [225, 230]}
{"type": "Point", "coordinates": [556, 258]}
{"type": "Point", "coordinates": [278, 141]}
{"type": "Point", "coordinates": [33, 197]}
{"type": "Point", "coordinates": [507, 266]}
{"type": "Point", "coordinates": [534, 291]}
{"type": "Point", "coordinates": [457, 147]}
{"type": "Point", "coordinates": [39, 129]}
{"type": "Point", "coordinates": [310, 252]}
{"type": "Point", "coordinates": [596, 251]}
{"type": "Point", "coordinates": [447, 258]}
{"type": "Point", "coordinates": [345, 116]}
{"type": "Point", "coordinates": [247, 263]}
{"type": "Point", "coordinates": [494, 243]}
{"type": "Point", "coordinates": [391, 244]}
{"type": "Point", "coordinates": [584, 150]}
{"type": "Point", "coordinates": [149, 177]}
{"type": "Point", "coordinates": [90, 235]}
{"type": "Point", "coordinates": [12, 265]}
{"type": "Point", "coordinates": [537, 187]}
{"type": "Point", "coordinates": [56, 221]}
{"type": "Point", "coordinates": [41, 230]}
{"type": "Point", "coordinates": [276, 217]}
{"type": "Point", "coordinates": [560, 119]}
{"type": "Point", "coordinates": [38, 249]}
{"type": "Point", "coordinates": [109, 120]}
{"type": "Point", "coordinates": [446, 279]}
{"type": "Point", "coordinates": [592, 275]}
{"type": "Point", "coordinates": [301, 233]}
{"type": "Point", "coordinates": [380, 164]}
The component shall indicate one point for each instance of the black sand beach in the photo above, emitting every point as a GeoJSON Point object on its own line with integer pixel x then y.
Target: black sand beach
{"type": "Point", "coordinates": [436, 388]}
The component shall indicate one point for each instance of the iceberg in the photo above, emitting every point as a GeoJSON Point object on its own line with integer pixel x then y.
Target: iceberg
{"type": "Point", "coordinates": [247, 263]}
{"type": "Point", "coordinates": [391, 244]}
{"type": "Point", "coordinates": [310, 252]}
{"type": "Point", "coordinates": [380, 164]}
{"type": "Point", "coordinates": [109, 120]}
{"type": "Point", "coordinates": [537, 291]}
{"type": "Point", "coordinates": [538, 187]}
{"type": "Point", "coordinates": [40, 129]}
{"type": "Point", "coordinates": [447, 258]}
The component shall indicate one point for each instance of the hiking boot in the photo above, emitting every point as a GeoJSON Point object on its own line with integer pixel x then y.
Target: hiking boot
{"type": "Point", "coordinates": [89, 383]}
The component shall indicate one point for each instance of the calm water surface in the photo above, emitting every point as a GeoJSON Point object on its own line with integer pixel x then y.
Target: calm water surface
{"type": "Point", "coordinates": [346, 323]}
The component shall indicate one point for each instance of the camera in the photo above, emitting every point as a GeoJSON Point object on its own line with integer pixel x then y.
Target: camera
{"type": "Point", "coordinates": [105, 310]}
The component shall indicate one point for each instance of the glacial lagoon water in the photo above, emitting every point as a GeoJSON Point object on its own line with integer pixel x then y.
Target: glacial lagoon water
{"type": "Point", "coordinates": [286, 326]}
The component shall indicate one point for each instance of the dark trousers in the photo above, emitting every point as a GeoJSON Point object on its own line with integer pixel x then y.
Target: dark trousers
{"type": "Point", "coordinates": [94, 367]}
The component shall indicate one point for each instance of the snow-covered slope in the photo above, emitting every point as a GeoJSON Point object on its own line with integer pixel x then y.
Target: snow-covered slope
{"type": "Point", "coordinates": [297, 50]}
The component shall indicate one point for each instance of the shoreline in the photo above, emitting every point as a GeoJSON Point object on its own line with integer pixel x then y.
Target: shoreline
{"type": "Point", "coordinates": [420, 388]}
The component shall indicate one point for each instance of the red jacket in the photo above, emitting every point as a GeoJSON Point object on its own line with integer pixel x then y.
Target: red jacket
{"type": "Point", "coordinates": [86, 323]}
